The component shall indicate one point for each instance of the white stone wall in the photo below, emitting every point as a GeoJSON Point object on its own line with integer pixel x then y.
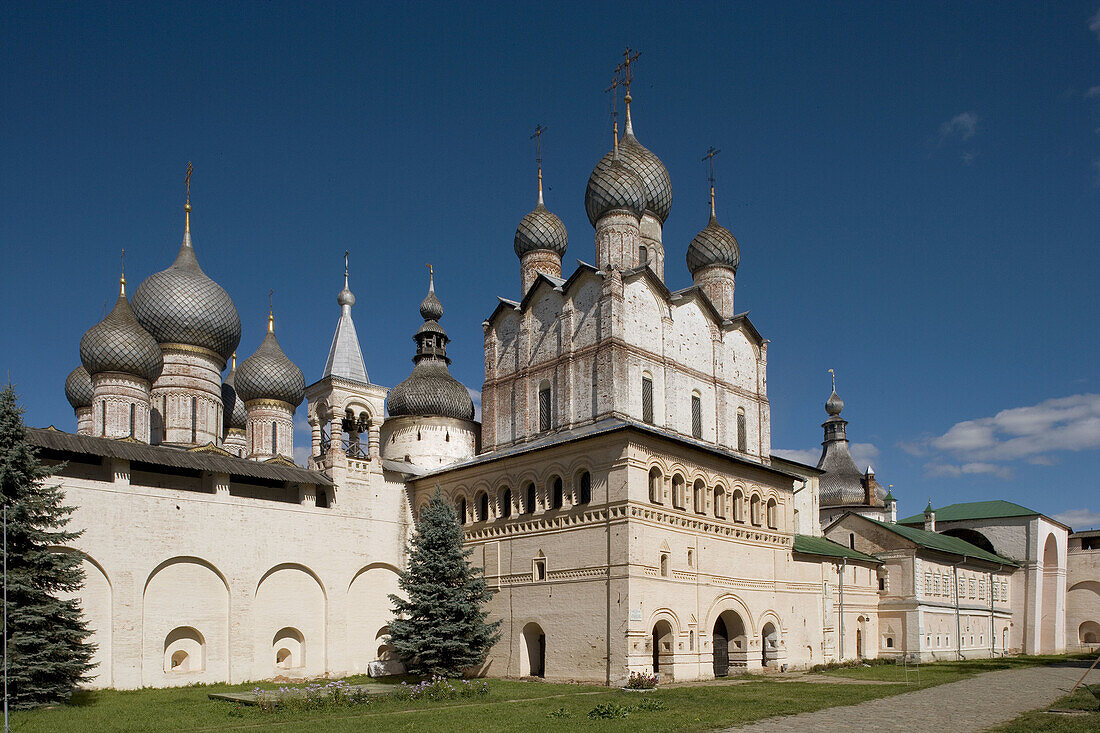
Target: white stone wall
{"type": "Point", "coordinates": [1083, 598]}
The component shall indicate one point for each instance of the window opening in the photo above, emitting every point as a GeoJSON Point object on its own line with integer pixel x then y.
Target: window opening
{"type": "Point", "coordinates": [544, 408]}
{"type": "Point", "coordinates": [529, 507]}
{"type": "Point", "coordinates": [696, 416]}
{"type": "Point", "coordinates": [742, 438]}
{"type": "Point", "coordinates": [274, 439]}
{"type": "Point", "coordinates": [586, 487]}
{"type": "Point", "coordinates": [647, 400]}
{"type": "Point", "coordinates": [133, 409]}
{"type": "Point", "coordinates": [506, 502]}
{"type": "Point", "coordinates": [194, 419]}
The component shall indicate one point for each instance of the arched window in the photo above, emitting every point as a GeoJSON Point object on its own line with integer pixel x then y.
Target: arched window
{"type": "Point", "coordinates": [655, 488]}
{"type": "Point", "coordinates": [696, 416]}
{"type": "Point", "coordinates": [529, 503]}
{"type": "Point", "coordinates": [678, 491]}
{"type": "Point", "coordinates": [773, 514]}
{"type": "Point", "coordinates": [664, 564]}
{"type": "Point", "coordinates": [274, 438]}
{"type": "Point", "coordinates": [133, 409]}
{"type": "Point", "coordinates": [643, 255]}
{"type": "Point", "coordinates": [720, 502]}
{"type": "Point", "coordinates": [194, 419]}
{"type": "Point", "coordinates": [482, 506]}
{"type": "Point", "coordinates": [460, 509]}
{"type": "Point", "coordinates": [754, 509]}
{"type": "Point", "coordinates": [559, 493]}
{"type": "Point", "coordinates": [738, 505]}
{"type": "Point", "coordinates": [103, 418]}
{"type": "Point", "coordinates": [742, 438]}
{"type": "Point", "coordinates": [647, 398]}
{"type": "Point", "coordinates": [586, 487]}
{"type": "Point", "coordinates": [699, 495]}
{"type": "Point", "coordinates": [544, 406]}
{"type": "Point", "coordinates": [506, 503]}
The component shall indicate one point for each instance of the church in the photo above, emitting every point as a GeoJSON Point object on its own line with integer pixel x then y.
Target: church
{"type": "Point", "coordinates": [619, 491]}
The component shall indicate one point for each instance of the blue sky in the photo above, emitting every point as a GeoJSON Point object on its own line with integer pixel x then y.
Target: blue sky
{"type": "Point", "coordinates": [915, 188]}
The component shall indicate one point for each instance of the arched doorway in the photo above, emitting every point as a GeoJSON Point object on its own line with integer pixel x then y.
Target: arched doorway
{"type": "Point", "coordinates": [769, 644]}
{"type": "Point", "coordinates": [1049, 614]}
{"type": "Point", "coordinates": [1089, 633]}
{"type": "Point", "coordinates": [729, 643]}
{"type": "Point", "coordinates": [662, 647]}
{"type": "Point", "coordinates": [533, 651]}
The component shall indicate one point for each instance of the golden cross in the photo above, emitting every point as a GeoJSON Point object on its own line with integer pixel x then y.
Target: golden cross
{"type": "Point", "coordinates": [187, 180]}
{"type": "Point", "coordinates": [431, 272]}
{"type": "Point", "coordinates": [271, 300]}
{"type": "Point", "coordinates": [537, 137]}
{"type": "Point", "coordinates": [709, 158]}
{"type": "Point", "coordinates": [629, 57]}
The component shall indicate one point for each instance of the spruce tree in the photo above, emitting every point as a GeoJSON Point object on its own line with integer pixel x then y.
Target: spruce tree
{"type": "Point", "coordinates": [47, 652]}
{"type": "Point", "coordinates": [440, 627]}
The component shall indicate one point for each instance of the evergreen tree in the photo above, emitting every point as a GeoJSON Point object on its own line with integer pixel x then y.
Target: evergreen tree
{"type": "Point", "coordinates": [441, 627]}
{"type": "Point", "coordinates": [47, 652]}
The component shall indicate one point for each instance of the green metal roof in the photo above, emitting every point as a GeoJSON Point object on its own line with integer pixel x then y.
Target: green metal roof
{"type": "Point", "coordinates": [942, 542]}
{"type": "Point", "coordinates": [974, 510]}
{"type": "Point", "coordinates": [808, 545]}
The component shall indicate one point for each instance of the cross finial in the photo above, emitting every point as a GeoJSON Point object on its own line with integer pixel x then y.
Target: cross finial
{"type": "Point", "coordinates": [833, 375]}
{"type": "Point", "coordinates": [709, 158]}
{"type": "Point", "coordinates": [629, 57]}
{"type": "Point", "coordinates": [122, 279]}
{"type": "Point", "coordinates": [537, 137]}
{"type": "Point", "coordinates": [346, 253]}
{"type": "Point", "coordinates": [187, 203]}
{"type": "Point", "coordinates": [271, 311]}
{"type": "Point", "coordinates": [431, 278]}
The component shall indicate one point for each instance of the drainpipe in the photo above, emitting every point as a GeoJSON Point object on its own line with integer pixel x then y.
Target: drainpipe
{"type": "Point", "coordinates": [843, 565]}
{"type": "Point", "coordinates": [992, 618]}
{"type": "Point", "coordinates": [958, 628]}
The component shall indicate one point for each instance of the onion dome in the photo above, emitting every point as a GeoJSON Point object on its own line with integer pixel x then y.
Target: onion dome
{"type": "Point", "coordinates": [612, 186]}
{"type": "Point", "coordinates": [715, 245]}
{"type": "Point", "coordinates": [78, 388]}
{"type": "Point", "coordinates": [234, 414]}
{"type": "Point", "coordinates": [181, 305]}
{"type": "Point", "coordinates": [118, 343]}
{"type": "Point", "coordinates": [269, 375]}
{"type": "Point", "coordinates": [541, 229]}
{"type": "Point", "coordinates": [834, 405]}
{"type": "Point", "coordinates": [431, 390]}
{"type": "Point", "coordinates": [654, 175]}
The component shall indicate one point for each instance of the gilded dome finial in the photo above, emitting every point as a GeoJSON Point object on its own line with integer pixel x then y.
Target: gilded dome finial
{"type": "Point", "coordinates": [624, 72]}
{"type": "Point", "coordinates": [709, 158]}
{"type": "Point", "coordinates": [187, 204]}
{"type": "Point", "coordinates": [537, 137]}
{"type": "Point", "coordinates": [122, 278]}
{"type": "Point", "coordinates": [271, 311]}
{"type": "Point", "coordinates": [345, 296]}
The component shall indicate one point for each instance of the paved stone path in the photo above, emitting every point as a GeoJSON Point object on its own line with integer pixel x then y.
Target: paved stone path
{"type": "Point", "coordinates": [966, 706]}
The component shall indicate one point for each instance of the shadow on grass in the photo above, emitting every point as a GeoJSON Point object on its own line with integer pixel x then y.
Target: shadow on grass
{"type": "Point", "coordinates": [83, 698]}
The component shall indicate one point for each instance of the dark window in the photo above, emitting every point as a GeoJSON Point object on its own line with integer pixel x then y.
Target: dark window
{"type": "Point", "coordinates": [852, 540]}
{"type": "Point", "coordinates": [460, 509]}
{"type": "Point", "coordinates": [507, 501]}
{"type": "Point", "coordinates": [194, 420]}
{"type": "Point", "coordinates": [742, 439]}
{"type": "Point", "coordinates": [482, 507]}
{"type": "Point", "coordinates": [559, 494]}
{"type": "Point", "coordinates": [133, 408]}
{"type": "Point", "coordinates": [647, 400]}
{"type": "Point", "coordinates": [274, 439]}
{"type": "Point", "coordinates": [321, 499]}
{"type": "Point", "coordinates": [103, 415]}
{"type": "Point", "coordinates": [586, 487]}
{"type": "Point", "coordinates": [643, 255]}
{"type": "Point", "coordinates": [529, 506]}
{"type": "Point", "coordinates": [544, 408]}
{"type": "Point", "coordinates": [696, 416]}
{"type": "Point", "coordinates": [882, 586]}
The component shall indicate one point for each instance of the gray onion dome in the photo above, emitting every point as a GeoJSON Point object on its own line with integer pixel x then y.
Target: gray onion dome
{"type": "Point", "coordinates": [834, 405]}
{"type": "Point", "coordinates": [611, 186]}
{"type": "Point", "coordinates": [235, 416]}
{"type": "Point", "coordinates": [431, 309]}
{"type": "Point", "coordinates": [541, 229]}
{"type": "Point", "coordinates": [269, 375]}
{"type": "Point", "coordinates": [118, 343]}
{"type": "Point", "coordinates": [715, 245]}
{"type": "Point", "coordinates": [181, 305]}
{"type": "Point", "coordinates": [654, 175]}
{"type": "Point", "coordinates": [78, 388]}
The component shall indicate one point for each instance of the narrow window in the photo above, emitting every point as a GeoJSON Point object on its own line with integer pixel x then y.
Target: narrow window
{"type": "Point", "coordinates": [530, 503]}
{"type": "Point", "coordinates": [482, 507]}
{"type": "Point", "coordinates": [742, 439]}
{"type": "Point", "coordinates": [699, 496]}
{"type": "Point", "coordinates": [719, 502]}
{"type": "Point", "coordinates": [691, 558]}
{"type": "Point", "coordinates": [321, 499]}
{"type": "Point", "coordinates": [678, 491]}
{"type": "Point", "coordinates": [274, 439]}
{"type": "Point", "coordinates": [559, 493]}
{"type": "Point", "coordinates": [852, 540]}
{"type": "Point", "coordinates": [586, 487]}
{"type": "Point", "coordinates": [506, 502]}
{"type": "Point", "coordinates": [655, 485]}
{"type": "Point", "coordinates": [647, 400]}
{"type": "Point", "coordinates": [754, 510]}
{"type": "Point", "coordinates": [103, 418]}
{"type": "Point", "coordinates": [194, 420]}
{"type": "Point", "coordinates": [643, 255]}
{"type": "Point", "coordinates": [133, 409]}
{"type": "Point", "coordinates": [882, 583]}
{"type": "Point", "coordinates": [544, 408]}
{"type": "Point", "coordinates": [664, 564]}
{"type": "Point", "coordinates": [773, 514]}
{"type": "Point", "coordinates": [540, 568]}
{"type": "Point", "coordinates": [460, 509]}
{"type": "Point", "coordinates": [696, 416]}
{"type": "Point", "coordinates": [738, 506]}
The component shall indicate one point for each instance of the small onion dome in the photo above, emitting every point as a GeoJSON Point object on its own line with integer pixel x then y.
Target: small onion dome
{"type": "Point", "coordinates": [431, 309]}
{"type": "Point", "coordinates": [235, 416]}
{"type": "Point", "coordinates": [834, 404]}
{"type": "Point", "coordinates": [269, 374]}
{"type": "Point", "coordinates": [78, 388]}
{"type": "Point", "coordinates": [118, 343]}
{"type": "Point", "coordinates": [613, 185]}
{"type": "Point", "coordinates": [345, 297]}
{"type": "Point", "coordinates": [715, 245]}
{"type": "Point", "coordinates": [541, 229]}
{"type": "Point", "coordinates": [431, 390]}
{"type": "Point", "coordinates": [654, 175]}
{"type": "Point", "coordinates": [181, 305]}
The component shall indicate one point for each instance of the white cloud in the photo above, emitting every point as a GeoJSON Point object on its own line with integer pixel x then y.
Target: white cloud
{"type": "Point", "coordinates": [1093, 92]}
{"type": "Point", "coordinates": [475, 395]}
{"type": "Point", "coordinates": [1079, 518]}
{"type": "Point", "coordinates": [1021, 433]}
{"type": "Point", "coordinates": [961, 125]}
{"type": "Point", "coordinates": [1094, 24]}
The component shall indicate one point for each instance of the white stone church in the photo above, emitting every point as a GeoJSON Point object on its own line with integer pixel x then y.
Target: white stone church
{"type": "Point", "coordinates": [620, 491]}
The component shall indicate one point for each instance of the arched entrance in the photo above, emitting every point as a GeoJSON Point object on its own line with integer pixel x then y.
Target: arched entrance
{"type": "Point", "coordinates": [769, 646]}
{"type": "Point", "coordinates": [729, 643]}
{"type": "Point", "coordinates": [1089, 633]}
{"type": "Point", "coordinates": [533, 651]}
{"type": "Point", "coordinates": [1049, 614]}
{"type": "Point", "coordinates": [662, 647]}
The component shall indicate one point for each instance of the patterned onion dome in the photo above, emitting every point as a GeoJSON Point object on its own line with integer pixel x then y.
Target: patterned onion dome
{"type": "Point", "coordinates": [613, 185]}
{"type": "Point", "coordinates": [118, 343]}
{"type": "Point", "coordinates": [431, 309]}
{"type": "Point", "coordinates": [658, 186]}
{"type": "Point", "coordinates": [834, 405]}
{"type": "Point", "coordinates": [715, 245]}
{"type": "Point", "coordinates": [78, 388]}
{"type": "Point", "coordinates": [269, 375]}
{"type": "Point", "coordinates": [181, 305]}
{"type": "Point", "coordinates": [234, 414]}
{"type": "Point", "coordinates": [541, 229]}
{"type": "Point", "coordinates": [431, 390]}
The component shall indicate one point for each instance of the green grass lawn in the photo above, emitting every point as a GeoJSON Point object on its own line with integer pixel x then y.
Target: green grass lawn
{"type": "Point", "coordinates": [1043, 722]}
